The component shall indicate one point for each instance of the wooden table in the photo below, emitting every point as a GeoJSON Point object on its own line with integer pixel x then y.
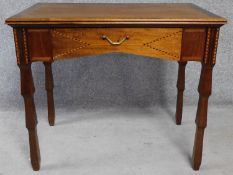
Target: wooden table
{"type": "Point", "coordinates": [48, 32]}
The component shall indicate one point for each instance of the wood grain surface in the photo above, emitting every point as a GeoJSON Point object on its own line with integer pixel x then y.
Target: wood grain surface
{"type": "Point", "coordinates": [154, 42]}
{"type": "Point", "coordinates": [89, 13]}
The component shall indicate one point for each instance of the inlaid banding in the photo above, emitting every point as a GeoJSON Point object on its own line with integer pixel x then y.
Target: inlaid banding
{"type": "Point", "coordinates": [164, 37]}
{"type": "Point", "coordinates": [207, 45]}
{"type": "Point", "coordinates": [64, 35]}
{"type": "Point", "coordinates": [215, 46]}
{"type": "Point", "coordinates": [25, 46]}
{"type": "Point", "coordinates": [16, 46]}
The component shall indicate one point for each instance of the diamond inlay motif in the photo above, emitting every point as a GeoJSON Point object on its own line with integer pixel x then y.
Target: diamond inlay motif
{"type": "Point", "coordinates": [166, 44]}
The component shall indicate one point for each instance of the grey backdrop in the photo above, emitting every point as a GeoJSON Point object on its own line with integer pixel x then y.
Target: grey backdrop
{"type": "Point", "coordinates": [117, 79]}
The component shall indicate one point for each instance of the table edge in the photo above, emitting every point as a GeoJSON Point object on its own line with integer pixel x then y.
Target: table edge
{"type": "Point", "coordinates": [215, 19]}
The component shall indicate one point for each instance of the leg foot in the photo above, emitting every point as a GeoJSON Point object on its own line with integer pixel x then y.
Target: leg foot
{"type": "Point", "coordinates": [49, 88]}
{"type": "Point", "coordinates": [34, 149]}
{"type": "Point", "coordinates": [180, 91]}
{"type": "Point", "coordinates": [197, 149]}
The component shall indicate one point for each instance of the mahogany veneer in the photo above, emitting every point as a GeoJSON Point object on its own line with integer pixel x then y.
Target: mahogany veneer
{"type": "Point", "coordinates": [48, 32]}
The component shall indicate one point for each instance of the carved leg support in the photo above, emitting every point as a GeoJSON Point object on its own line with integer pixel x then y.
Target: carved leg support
{"type": "Point", "coordinates": [49, 88]}
{"type": "Point", "coordinates": [180, 91]}
{"type": "Point", "coordinates": [204, 89]}
{"type": "Point", "coordinates": [27, 91]}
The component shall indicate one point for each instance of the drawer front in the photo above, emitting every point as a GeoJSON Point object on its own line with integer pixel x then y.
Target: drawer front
{"type": "Point", "coordinates": [153, 42]}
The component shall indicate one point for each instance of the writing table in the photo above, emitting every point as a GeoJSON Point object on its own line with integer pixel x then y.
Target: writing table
{"type": "Point", "coordinates": [48, 32]}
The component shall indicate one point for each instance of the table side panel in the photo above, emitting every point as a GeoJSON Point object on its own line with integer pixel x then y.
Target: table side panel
{"type": "Point", "coordinates": [193, 44]}
{"type": "Point", "coordinates": [176, 44]}
{"type": "Point", "coordinates": [40, 45]}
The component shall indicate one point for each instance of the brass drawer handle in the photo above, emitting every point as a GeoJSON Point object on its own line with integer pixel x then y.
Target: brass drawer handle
{"type": "Point", "coordinates": [104, 37]}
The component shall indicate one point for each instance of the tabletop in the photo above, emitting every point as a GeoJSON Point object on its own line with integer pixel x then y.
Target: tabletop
{"type": "Point", "coordinates": [75, 13]}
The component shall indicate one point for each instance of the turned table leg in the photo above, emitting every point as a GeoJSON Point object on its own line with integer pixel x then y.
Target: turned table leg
{"type": "Point", "coordinates": [204, 90]}
{"type": "Point", "coordinates": [180, 91]}
{"type": "Point", "coordinates": [27, 91]}
{"type": "Point", "coordinates": [49, 88]}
